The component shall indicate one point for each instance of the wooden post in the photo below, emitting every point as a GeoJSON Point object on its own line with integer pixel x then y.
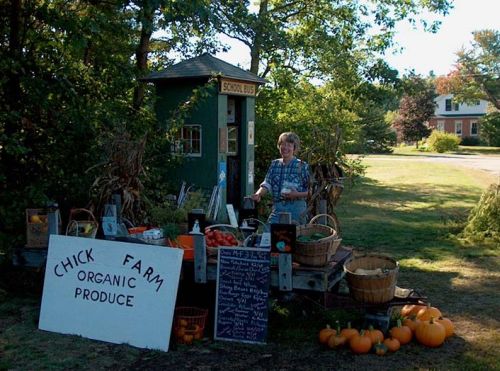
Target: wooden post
{"type": "Point", "coordinates": [54, 219]}
{"type": "Point", "coordinates": [200, 258]}
{"type": "Point", "coordinates": [322, 210]}
{"type": "Point", "coordinates": [285, 260]}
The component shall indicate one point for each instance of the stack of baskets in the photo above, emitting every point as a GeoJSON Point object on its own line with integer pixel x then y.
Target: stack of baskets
{"type": "Point", "coordinates": [372, 278]}
{"type": "Point", "coordinates": [316, 253]}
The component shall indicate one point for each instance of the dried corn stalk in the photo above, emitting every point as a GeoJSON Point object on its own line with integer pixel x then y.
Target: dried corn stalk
{"type": "Point", "coordinates": [121, 173]}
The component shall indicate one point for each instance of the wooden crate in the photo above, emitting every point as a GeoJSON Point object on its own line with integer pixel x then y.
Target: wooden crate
{"type": "Point", "coordinates": [37, 228]}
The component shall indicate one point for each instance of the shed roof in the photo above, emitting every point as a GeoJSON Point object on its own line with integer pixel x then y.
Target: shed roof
{"type": "Point", "coordinates": [204, 65]}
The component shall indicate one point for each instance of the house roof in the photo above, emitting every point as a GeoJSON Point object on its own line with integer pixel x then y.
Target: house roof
{"type": "Point", "coordinates": [203, 66]}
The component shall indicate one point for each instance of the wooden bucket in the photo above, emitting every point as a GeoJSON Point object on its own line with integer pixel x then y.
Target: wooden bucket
{"type": "Point", "coordinates": [371, 278]}
{"type": "Point", "coordinates": [316, 253]}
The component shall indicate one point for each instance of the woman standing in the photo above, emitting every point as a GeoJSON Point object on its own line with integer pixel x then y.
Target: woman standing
{"type": "Point", "coordinates": [288, 181]}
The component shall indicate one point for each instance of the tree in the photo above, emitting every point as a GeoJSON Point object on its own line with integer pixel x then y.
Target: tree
{"type": "Point", "coordinates": [477, 72]}
{"type": "Point", "coordinates": [415, 108]}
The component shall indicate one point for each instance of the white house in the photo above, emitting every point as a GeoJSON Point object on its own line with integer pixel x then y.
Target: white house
{"type": "Point", "coordinates": [457, 118]}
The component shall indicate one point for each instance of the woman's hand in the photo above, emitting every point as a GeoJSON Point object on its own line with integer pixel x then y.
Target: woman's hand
{"type": "Point", "coordinates": [256, 197]}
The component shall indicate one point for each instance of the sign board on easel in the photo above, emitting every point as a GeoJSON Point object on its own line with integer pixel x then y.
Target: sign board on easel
{"type": "Point", "coordinates": [111, 291]}
{"type": "Point", "coordinates": [242, 294]}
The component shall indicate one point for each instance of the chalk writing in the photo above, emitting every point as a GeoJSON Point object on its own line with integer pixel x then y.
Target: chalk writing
{"type": "Point", "coordinates": [242, 295]}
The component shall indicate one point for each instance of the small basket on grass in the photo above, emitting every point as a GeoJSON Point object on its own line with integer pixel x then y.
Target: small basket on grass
{"type": "Point", "coordinates": [316, 243]}
{"type": "Point", "coordinates": [189, 324]}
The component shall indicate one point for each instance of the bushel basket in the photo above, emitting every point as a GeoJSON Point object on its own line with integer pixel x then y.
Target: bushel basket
{"type": "Point", "coordinates": [316, 253]}
{"type": "Point", "coordinates": [372, 278]}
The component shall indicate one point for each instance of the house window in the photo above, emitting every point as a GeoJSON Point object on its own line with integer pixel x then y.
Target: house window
{"type": "Point", "coordinates": [456, 106]}
{"type": "Point", "coordinates": [232, 140]}
{"type": "Point", "coordinates": [440, 126]}
{"type": "Point", "coordinates": [473, 128]}
{"type": "Point", "coordinates": [447, 103]}
{"type": "Point", "coordinates": [189, 141]}
{"type": "Point", "coordinates": [458, 128]}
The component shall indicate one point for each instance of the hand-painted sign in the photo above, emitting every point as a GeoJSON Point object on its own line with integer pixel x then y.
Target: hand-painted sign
{"type": "Point", "coordinates": [242, 295]}
{"type": "Point", "coordinates": [111, 291]}
{"type": "Point", "coordinates": [237, 87]}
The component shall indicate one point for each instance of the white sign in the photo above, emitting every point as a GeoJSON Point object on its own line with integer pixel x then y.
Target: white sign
{"type": "Point", "coordinates": [251, 133]}
{"type": "Point", "coordinates": [112, 291]}
{"type": "Point", "coordinates": [232, 216]}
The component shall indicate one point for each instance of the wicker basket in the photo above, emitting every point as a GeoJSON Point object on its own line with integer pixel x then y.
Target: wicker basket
{"type": "Point", "coordinates": [372, 278]}
{"type": "Point", "coordinates": [316, 253]}
{"type": "Point", "coordinates": [81, 223]}
{"type": "Point", "coordinates": [189, 324]}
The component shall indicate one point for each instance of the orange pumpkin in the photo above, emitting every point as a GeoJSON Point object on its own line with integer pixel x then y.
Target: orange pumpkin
{"type": "Point", "coordinates": [375, 335]}
{"type": "Point", "coordinates": [188, 339]}
{"type": "Point", "coordinates": [392, 344]}
{"type": "Point", "coordinates": [411, 323]}
{"type": "Point", "coordinates": [402, 333]}
{"type": "Point", "coordinates": [411, 310]}
{"type": "Point", "coordinates": [448, 326]}
{"type": "Point", "coordinates": [430, 333]}
{"type": "Point", "coordinates": [349, 332]}
{"type": "Point", "coordinates": [325, 334]}
{"type": "Point", "coordinates": [337, 340]}
{"type": "Point", "coordinates": [360, 343]}
{"type": "Point", "coordinates": [426, 313]}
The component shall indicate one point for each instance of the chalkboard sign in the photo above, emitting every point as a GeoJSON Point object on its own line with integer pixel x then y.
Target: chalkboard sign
{"type": "Point", "coordinates": [242, 295]}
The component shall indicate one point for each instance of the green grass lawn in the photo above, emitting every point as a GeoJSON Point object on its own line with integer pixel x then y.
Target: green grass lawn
{"type": "Point", "coordinates": [466, 150]}
{"type": "Point", "coordinates": [413, 211]}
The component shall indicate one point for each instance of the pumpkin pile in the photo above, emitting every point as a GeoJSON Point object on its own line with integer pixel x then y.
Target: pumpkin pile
{"type": "Point", "coordinates": [186, 332]}
{"type": "Point", "coordinates": [421, 322]}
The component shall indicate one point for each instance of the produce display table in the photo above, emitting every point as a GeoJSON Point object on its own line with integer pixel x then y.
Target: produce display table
{"type": "Point", "coordinates": [320, 279]}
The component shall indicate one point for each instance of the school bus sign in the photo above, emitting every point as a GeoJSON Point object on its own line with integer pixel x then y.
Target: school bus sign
{"type": "Point", "coordinates": [233, 87]}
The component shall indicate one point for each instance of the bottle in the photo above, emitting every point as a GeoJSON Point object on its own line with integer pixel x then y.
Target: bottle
{"type": "Point", "coordinates": [196, 227]}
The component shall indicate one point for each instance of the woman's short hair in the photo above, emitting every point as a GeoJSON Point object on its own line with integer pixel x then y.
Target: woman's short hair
{"type": "Point", "coordinates": [289, 137]}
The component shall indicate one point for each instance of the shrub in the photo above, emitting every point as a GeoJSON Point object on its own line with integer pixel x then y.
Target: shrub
{"type": "Point", "coordinates": [470, 141]}
{"type": "Point", "coordinates": [490, 129]}
{"type": "Point", "coordinates": [443, 142]}
{"type": "Point", "coordinates": [484, 219]}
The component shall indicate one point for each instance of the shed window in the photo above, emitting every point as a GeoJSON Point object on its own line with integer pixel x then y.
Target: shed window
{"type": "Point", "coordinates": [189, 141]}
{"type": "Point", "coordinates": [232, 140]}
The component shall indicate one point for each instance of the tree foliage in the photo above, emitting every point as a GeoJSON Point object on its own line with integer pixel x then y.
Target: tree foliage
{"type": "Point", "coordinates": [70, 81]}
{"type": "Point", "coordinates": [415, 108]}
{"type": "Point", "coordinates": [477, 73]}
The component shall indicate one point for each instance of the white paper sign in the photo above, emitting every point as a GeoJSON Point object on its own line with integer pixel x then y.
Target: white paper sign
{"type": "Point", "coordinates": [232, 216]}
{"type": "Point", "coordinates": [111, 291]}
{"type": "Point", "coordinates": [251, 133]}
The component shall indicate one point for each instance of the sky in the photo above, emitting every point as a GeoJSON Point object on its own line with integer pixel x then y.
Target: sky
{"type": "Point", "coordinates": [422, 51]}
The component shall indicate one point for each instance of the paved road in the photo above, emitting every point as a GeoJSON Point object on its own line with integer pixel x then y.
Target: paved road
{"type": "Point", "coordinates": [489, 163]}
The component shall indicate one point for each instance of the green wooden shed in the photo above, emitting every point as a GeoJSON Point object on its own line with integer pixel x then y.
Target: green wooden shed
{"type": "Point", "coordinates": [217, 139]}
